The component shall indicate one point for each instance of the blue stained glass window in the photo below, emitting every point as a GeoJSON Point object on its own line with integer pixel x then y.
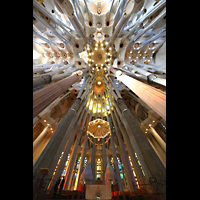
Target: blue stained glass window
{"type": "Point", "coordinates": [63, 173]}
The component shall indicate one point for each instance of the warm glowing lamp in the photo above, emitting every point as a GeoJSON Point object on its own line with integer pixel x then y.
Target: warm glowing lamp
{"type": "Point", "coordinates": [79, 73]}
{"type": "Point", "coordinates": [118, 72]}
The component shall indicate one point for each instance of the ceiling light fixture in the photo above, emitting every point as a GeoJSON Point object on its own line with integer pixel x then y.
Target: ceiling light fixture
{"type": "Point", "coordinates": [118, 72]}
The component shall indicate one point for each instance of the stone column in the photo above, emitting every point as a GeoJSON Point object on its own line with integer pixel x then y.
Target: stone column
{"type": "Point", "coordinates": [146, 76]}
{"type": "Point", "coordinates": [148, 125]}
{"type": "Point", "coordinates": [53, 19]}
{"type": "Point", "coordinates": [104, 158]}
{"type": "Point", "coordinates": [74, 154]}
{"type": "Point", "coordinates": [54, 31]}
{"type": "Point", "coordinates": [49, 152]}
{"type": "Point", "coordinates": [135, 25]}
{"type": "Point", "coordinates": [67, 8]}
{"type": "Point", "coordinates": [66, 74]}
{"type": "Point", "coordinates": [132, 140]}
{"type": "Point", "coordinates": [151, 24]}
{"type": "Point", "coordinates": [68, 148]}
{"type": "Point", "coordinates": [66, 137]}
{"type": "Point", "coordinates": [114, 154]}
{"type": "Point", "coordinates": [80, 169]}
{"type": "Point", "coordinates": [158, 138]}
{"type": "Point", "coordinates": [39, 138]}
{"type": "Point", "coordinates": [152, 161]}
{"type": "Point", "coordinates": [85, 84]}
{"type": "Point", "coordinates": [131, 151]}
{"type": "Point", "coordinates": [93, 159]}
{"type": "Point", "coordinates": [110, 90]}
{"type": "Point", "coordinates": [157, 68]}
{"type": "Point", "coordinates": [111, 7]}
{"type": "Point", "coordinates": [45, 79]}
{"type": "Point", "coordinates": [115, 87]}
{"type": "Point", "coordinates": [128, 170]}
{"type": "Point", "coordinates": [35, 121]}
{"type": "Point", "coordinates": [49, 42]}
{"type": "Point", "coordinates": [129, 9]}
{"type": "Point", "coordinates": [43, 97]}
{"type": "Point", "coordinates": [80, 11]}
{"type": "Point", "coordinates": [156, 146]}
{"type": "Point", "coordinates": [153, 97]}
{"type": "Point", "coordinates": [87, 9]}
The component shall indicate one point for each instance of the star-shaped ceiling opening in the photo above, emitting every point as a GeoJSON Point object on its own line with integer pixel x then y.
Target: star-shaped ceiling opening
{"type": "Point", "coordinates": [98, 128]}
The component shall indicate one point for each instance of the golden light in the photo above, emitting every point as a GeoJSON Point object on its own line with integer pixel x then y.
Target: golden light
{"type": "Point", "coordinates": [91, 105]}
{"type": "Point", "coordinates": [99, 56]}
{"type": "Point", "coordinates": [98, 129]}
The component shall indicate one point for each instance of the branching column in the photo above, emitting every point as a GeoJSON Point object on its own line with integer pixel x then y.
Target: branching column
{"type": "Point", "coordinates": [93, 159]}
{"type": "Point", "coordinates": [152, 161]}
{"type": "Point", "coordinates": [46, 157]}
{"type": "Point", "coordinates": [80, 169]}
{"type": "Point", "coordinates": [58, 135]}
{"type": "Point", "coordinates": [44, 79]}
{"type": "Point", "coordinates": [131, 151]}
{"type": "Point", "coordinates": [68, 146]}
{"type": "Point", "coordinates": [132, 140]}
{"type": "Point", "coordinates": [114, 154]}
{"type": "Point", "coordinates": [129, 174]}
{"type": "Point", "coordinates": [66, 137]}
{"type": "Point", "coordinates": [104, 158]}
{"type": "Point", "coordinates": [153, 97]}
{"type": "Point", "coordinates": [40, 137]}
{"type": "Point", "coordinates": [53, 150]}
{"type": "Point", "coordinates": [69, 173]}
{"type": "Point", "coordinates": [45, 96]}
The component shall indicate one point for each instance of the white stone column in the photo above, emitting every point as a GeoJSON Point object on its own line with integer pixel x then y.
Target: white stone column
{"type": "Point", "coordinates": [80, 169]}
{"type": "Point", "coordinates": [114, 154]}
{"type": "Point", "coordinates": [40, 137]}
{"type": "Point", "coordinates": [127, 167]}
{"type": "Point", "coordinates": [153, 97]}
{"type": "Point", "coordinates": [131, 151]}
{"type": "Point", "coordinates": [69, 173]}
{"type": "Point", "coordinates": [158, 138]}
{"type": "Point", "coordinates": [43, 97]}
{"type": "Point", "coordinates": [104, 158]}
{"type": "Point", "coordinates": [93, 163]}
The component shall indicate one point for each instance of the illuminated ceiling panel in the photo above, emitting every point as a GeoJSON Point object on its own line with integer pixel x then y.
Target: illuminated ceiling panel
{"type": "Point", "coordinates": [98, 128]}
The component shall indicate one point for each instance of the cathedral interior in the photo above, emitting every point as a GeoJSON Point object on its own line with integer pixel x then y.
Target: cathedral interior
{"type": "Point", "coordinates": [99, 99]}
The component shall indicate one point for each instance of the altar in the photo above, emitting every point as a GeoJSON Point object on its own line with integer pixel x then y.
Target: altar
{"type": "Point", "coordinates": [94, 192]}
